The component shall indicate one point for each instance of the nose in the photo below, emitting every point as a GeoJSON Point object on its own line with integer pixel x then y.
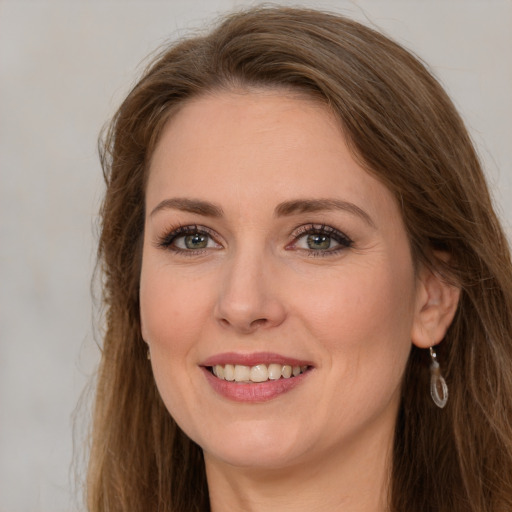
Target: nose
{"type": "Point", "coordinates": [248, 297]}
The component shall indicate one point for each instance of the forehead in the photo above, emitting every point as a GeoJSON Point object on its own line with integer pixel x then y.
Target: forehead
{"type": "Point", "coordinates": [260, 147]}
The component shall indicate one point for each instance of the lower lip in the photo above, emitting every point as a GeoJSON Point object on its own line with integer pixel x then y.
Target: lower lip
{"type": "Point", "coordinates": [255, 392]}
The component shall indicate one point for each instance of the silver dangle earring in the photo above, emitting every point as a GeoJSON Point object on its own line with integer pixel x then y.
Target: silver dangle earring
{"type": "Point", "coordinates": [438, 387]}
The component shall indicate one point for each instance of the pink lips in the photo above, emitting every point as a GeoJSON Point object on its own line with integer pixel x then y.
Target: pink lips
{"type": "Point", "coordinates": [252, 392]}
{"type": "Point", "coordinates": [253, 359]}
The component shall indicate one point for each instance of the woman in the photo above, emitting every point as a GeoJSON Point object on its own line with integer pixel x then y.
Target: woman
{"type": "Point", "coordinates": [297, 234]}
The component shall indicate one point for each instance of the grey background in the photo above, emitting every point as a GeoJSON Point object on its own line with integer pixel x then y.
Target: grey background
{"type": "Point", "coordinates": [64, 67]}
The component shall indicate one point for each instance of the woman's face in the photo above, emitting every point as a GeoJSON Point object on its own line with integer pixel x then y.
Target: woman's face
{"type": "Point", "coordinates": [268, 251]}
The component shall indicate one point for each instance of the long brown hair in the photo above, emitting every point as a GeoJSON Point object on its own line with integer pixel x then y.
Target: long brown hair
{"type": "Point", "coordinates": [403, 129]}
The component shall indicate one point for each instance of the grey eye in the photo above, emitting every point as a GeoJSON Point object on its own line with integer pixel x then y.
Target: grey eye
{"type": "Point", "coordinates": [321, 239]}
{"type": "Point", "coordinates": [318, 241]}
{"type": "Point", "coordinates": [196, 241]}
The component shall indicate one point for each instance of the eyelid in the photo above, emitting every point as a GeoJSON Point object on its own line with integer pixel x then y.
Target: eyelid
{"type": "Point", "coordinates": [172, 233]}
{"type": "Point", "coordinates": [341, 238]}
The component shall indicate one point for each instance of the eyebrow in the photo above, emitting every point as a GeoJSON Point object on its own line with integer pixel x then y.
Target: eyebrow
{"type": "Point", "coordinates": [189, 205]}
{"type": "Point", "coordinates": [318, 205]}
{"type": "Point", "coordinates": [284, 209]}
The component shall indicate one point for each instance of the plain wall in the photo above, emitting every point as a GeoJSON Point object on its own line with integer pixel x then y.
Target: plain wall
{"type": "Point", "coordinates": [64, 67]}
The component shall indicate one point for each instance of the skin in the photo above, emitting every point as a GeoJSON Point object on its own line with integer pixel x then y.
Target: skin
{"type": "Point", "coordinates": [351, 311]}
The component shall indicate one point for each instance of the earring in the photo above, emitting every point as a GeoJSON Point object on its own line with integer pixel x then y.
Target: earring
{"type": "Point", "coordinates": [438, 387]}
{"type": "Point", "coordinates": [149, 355]}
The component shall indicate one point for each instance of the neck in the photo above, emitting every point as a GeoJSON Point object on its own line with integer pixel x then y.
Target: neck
{"type": "Point", "coordinates": [354, 478]}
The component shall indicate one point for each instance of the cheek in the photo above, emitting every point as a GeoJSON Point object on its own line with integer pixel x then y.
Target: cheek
{"type": "Point", "coordinates": [173, 319]}
{"type": "Point", "coordinates": [172, 306]}
{"type": "Point", "coordinates": [363, 320]}
{"type": "Point", "coordinates": [171, 314]}
{"type": "Point", "coordinates": [361, 300]}
{"type": "Point", "coordinates": [365, 330]}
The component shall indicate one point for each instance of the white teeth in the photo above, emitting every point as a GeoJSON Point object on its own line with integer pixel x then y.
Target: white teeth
{"type": "Point", "coordinates": [286, 371]}
{"type": "Point", "coordinates": [274, 371]}
{"type": "Point", "coordinates": [218, 370]}
{"type": "Point", "coordinates": [257, 373]}
{"type": "Point", "coordinates": [229, 372]}
{"type": "Point", "coordinates": [242, 373]}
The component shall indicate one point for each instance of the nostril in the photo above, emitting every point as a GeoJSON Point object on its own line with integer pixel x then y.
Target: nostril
{"type": "Point", "coordinates": [244, 327]}
{"type": "Point", "coordinates": [259, 322]}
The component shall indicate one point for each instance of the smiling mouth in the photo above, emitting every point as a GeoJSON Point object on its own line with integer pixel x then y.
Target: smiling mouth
{"type": "Point", "coordinates": [255, 374]}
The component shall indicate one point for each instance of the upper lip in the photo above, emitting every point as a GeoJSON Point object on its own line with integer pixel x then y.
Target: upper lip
{"type": "Point", "coordinates": [253, 359]}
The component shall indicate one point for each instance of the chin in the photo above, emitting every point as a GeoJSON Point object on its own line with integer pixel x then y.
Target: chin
{"type": "Point", "coordinates": [261, 446]}
{"type": "Point", "coordinates": [251, 457]}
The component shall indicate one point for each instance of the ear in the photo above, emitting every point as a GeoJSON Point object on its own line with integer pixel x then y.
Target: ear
{"type": "Point", "coordinates": [143, 332]}
{"type": "Point", "coordinates": [436, 304]}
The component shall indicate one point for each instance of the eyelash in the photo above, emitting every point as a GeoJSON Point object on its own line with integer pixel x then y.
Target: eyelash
{"type": "Point", "coordinates": [168, 240]}
{"type": "Point", "coordinates": [321, 229]}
